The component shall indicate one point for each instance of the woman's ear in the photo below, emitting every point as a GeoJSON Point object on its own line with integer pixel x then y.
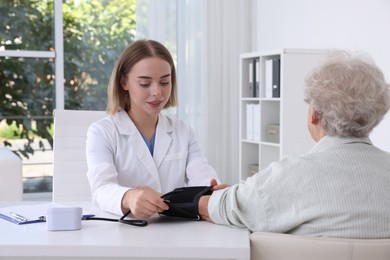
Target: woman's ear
{"type": "Point", "coordinates": [124, 83]}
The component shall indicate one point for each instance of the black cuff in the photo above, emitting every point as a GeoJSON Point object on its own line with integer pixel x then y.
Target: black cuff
{"type": "Point", "coordinates": [183, 202]}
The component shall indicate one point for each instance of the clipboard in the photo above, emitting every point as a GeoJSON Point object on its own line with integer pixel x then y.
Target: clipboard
{"type": "Point", "coordinates": [29, 214]}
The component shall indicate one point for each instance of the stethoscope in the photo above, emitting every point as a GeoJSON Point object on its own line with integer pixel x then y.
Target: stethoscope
{"type": "Point", "coordinates": [133, 222]}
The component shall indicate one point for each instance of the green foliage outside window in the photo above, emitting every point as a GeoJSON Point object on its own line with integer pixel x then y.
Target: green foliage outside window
{"type": "Point", "coordinates": [95, 33]}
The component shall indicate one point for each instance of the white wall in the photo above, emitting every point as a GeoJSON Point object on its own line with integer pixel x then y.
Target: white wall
{"type": "Point", "coordinates": [362, 25]}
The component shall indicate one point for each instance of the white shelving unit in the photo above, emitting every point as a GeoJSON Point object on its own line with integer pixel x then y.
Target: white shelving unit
{"type": "Point", "coordinates": [287, 110]}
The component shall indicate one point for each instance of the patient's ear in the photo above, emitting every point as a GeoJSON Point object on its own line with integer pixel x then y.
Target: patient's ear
{"type": "Point", "coordinates": [314, 118]}
{"type": "Point", "coordinates": [314, 126]}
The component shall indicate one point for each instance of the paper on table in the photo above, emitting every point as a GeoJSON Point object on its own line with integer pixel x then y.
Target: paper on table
{"type": "Point", "coordinates": [34, 213]}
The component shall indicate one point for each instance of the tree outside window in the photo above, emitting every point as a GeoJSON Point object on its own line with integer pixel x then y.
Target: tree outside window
{"type": "Point", "coordinates": [95, 33]}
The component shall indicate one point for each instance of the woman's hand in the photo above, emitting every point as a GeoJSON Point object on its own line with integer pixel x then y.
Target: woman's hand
{"type": "Point", "coordinates": [143, 202]}
{"type": "Point", "coordinates": [216, 186]}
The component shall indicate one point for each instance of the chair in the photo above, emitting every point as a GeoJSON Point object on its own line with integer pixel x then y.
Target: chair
{"type": "Point", "coordinates": [272, 246]}
{"type": "Point", "coordinates": [70, 181]}
{"type": "Point", "coordinates": [11, 184]}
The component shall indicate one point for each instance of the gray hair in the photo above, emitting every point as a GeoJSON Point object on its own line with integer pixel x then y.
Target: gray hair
{"type": "Point", "coordinates": [348, 93]}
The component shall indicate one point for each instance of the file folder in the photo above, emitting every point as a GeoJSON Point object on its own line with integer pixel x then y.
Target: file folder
{"type": "Point", "coordinates": [272, 78]}
{"type": "Point", "coordinates": [254, 78]}
{"type": "Point", "coordinates": [256, 122]}
{"type": "Point", "coordinates": [252, 86]}
{"type": "Point", "coordinates": [268, 78]}
{"type": "Point", "coordinates": [257, 78]}
{"type": "Point", "coordinates": [249, 121]}
{"type": "Point", "coordinates": [276, 78]}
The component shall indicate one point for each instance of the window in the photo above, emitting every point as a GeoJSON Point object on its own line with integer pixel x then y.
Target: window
{"type": "Point", "coordinates": [95, 33]}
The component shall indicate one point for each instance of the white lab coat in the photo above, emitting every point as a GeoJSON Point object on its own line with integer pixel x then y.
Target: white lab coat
{"type": "Point", "coordinates": [119, 159]}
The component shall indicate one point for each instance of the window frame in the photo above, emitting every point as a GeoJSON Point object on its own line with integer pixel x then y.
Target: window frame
{"type": "Point", "coordinates": [57, 55]}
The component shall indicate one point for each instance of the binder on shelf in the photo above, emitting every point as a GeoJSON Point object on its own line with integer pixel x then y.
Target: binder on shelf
{"type": "Point", "coordinates": [272, 78]}
{"type": "Point", "coordinates": [251, 78]}
{"type": "Point", "coordinates": [249, 121]}
{"type": "Point", "coordinates": [268, 78]}
{"type": "Point", "coordinates": [256, 122]}
{"type": "Point", "coordinates": [276, 78]}
{"type": "Point", "coordinates": [257, 77]}
{"type": "Point", "coordinates": [254, 78]}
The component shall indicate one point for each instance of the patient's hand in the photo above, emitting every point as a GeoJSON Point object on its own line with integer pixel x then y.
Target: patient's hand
{"type": "Point", "coordinates": [216, 186]}
{"type": "Point", "coordinates": [202, 206]}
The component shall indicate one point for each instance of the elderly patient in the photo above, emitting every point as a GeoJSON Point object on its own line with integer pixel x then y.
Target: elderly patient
{"type": "Point", "coordinates": [339, 188]}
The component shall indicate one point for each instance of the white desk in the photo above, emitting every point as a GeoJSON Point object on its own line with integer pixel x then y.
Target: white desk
{"type": "Point", "coordinates": [163, 238]}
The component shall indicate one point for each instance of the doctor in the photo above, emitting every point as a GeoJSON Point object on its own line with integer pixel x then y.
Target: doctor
{"type": "Point", "coordinates": [136, 153]}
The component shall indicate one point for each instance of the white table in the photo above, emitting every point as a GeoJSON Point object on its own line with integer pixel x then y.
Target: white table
{"type": "Point", "coordinates": [163, 238]}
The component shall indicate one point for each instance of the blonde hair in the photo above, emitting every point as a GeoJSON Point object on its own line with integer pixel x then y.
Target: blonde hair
{"type": "Point", "coordinates": [349, 94]}
{"type": "Point", "coordinates": [118, 98]}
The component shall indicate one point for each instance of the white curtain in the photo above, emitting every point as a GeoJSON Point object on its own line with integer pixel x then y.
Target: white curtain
{"type": "Point", "coordinates": [210, 36]}
{"type": "Point", "coordinates": [156, 19]}
{"type": "Point", "coordinates": [229, 33]}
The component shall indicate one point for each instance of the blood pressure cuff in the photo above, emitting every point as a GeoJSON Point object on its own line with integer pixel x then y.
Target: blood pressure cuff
{"type": "Point", "coordinates": [183, 202]}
